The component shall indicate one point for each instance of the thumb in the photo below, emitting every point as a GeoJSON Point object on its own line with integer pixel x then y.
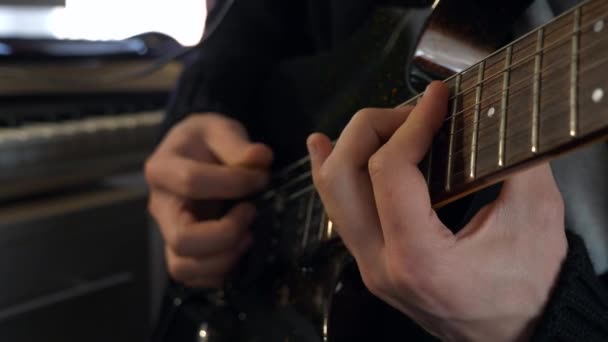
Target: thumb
{"type": "Point", "coordinates": [255, 155]}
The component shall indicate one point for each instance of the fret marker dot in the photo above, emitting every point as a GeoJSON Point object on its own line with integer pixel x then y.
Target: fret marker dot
{"type": "Point", "coordinates": [599, 26]}
{"type": "Point", "coordinates": [598, 95]}
{"type": "Point", "coordinates": [491, 112]}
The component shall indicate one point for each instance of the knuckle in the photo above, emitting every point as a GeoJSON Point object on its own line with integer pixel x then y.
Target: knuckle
{"type": "Point", "coordinates": [180, 242]}
{"type": "Point", "coordinates": [180, 246]}
{"type": "Point", "coordinates": [174, 237]}
{"type": "Point", "coordinates": [150, 169]}
{"type": "Point", "coordinates": [326, 177]}
{"type": "Point", "coordinates": [176, 269]}
{"type": "Point", "coordinates": [400, 277]}
{"type": "Point", "coordinates": [230, 230]}
{"type": "Point", "coordinates": [227, 124]}
{"type": "Point", "coordinates": [363, 115]}
{"type": "Point", "coordinates": [376, 164]}
{"type": "Point", "coordinates": [195, 119]}
{"type": "Point", "coordinates": [187, 179]}
{"type": "Point", "coordinates": [418, 276]}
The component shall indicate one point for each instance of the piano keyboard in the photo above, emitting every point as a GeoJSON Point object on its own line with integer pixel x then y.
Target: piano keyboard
{"type": "Point", "coordinates": [36, 156]}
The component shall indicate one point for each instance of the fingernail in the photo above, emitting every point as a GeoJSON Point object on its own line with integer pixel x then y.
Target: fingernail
{"type": "Point", "coordinates": [312, 148]}
{"type": "Point", "coordinates": [426, 90]}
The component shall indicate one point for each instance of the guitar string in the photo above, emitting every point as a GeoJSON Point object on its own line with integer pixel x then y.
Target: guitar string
{"type": "Point", "coordinates": [305, 178]}
{"type": "Point", "coordinates": [521, 135]}
{"type": "Point", "coordinates": [502, 71]}
{"type": "Point", "coordinates": [512, 105]}
{"type": "Point", "coordinates": [519, 157]}
{"type": "Point", "coordinates": [518, 91]}
{"type": "Point", "coordinates": [526, 80]}
{"type": "Point", "coordinates": [567, 37]}
{"type": "Point", "coordinates": [533, 34]}
{"type": "Point", "coordinates": [543, 104]}
{"type": "Point", "coordinates": [524, 60]}
{"type": "Point", "coordinates": [304, 160]}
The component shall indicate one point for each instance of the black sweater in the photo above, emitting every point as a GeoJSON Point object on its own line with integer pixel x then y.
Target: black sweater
{"type": "Point", "coordinates": [256, 35]}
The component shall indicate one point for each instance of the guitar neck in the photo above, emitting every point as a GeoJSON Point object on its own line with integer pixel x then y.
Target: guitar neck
{"type": "Point", "coordinates": [543, 95]}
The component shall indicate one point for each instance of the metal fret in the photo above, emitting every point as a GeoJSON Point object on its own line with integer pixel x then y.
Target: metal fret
{"type": "Point", "coordinates": [480, 73]}
{"type": "Point", "coordinates": [538, 61]}
{"type": "Point", "coordinates": [322, 226]}
{"type": "Point", "coordinates": [574, 73]}
{"type": "Point", "coordinates": [326, 228]}
{"type": "Point", "coordinates": [448, 175]}
{"type": "Point", "coordinates": [502, 136]}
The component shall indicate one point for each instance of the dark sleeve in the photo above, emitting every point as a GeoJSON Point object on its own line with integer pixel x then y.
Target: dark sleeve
{"type": "Point", "coordinates": [578, 308]}
{"type": "Point", "coordinates": [237, 57]}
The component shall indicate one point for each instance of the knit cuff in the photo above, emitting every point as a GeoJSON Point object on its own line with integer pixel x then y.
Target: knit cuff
{"type": "Point", "coordinates": [578, 307]}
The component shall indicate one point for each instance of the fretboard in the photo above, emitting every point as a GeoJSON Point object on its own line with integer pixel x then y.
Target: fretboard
{"type": "Point", "coordinates": [542, 95]}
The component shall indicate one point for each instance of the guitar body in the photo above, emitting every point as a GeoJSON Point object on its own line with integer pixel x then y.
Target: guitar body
{"type": "Point", "coordinates": [298, 283]}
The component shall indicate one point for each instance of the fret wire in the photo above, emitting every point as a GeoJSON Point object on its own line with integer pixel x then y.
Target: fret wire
{"type": "Point", "coordinates": [518, 90]}
{"type": "Point", "coordinates": [549, 68]}
{"type": "Point", "coordinates": [551, 101]}
{"type": "Point", "coordinates": [448, 176]}
{"type": "Point", "coordinates": [553, 104]}
{"type": "Point", "coordinates": [305, 160]}
{"type": "Point", "coordinates": [321, 232]}
{"type": "Point", "coordinates": [504, 104]}
{"type": "Point", "coordinates": [553, 24]}
{"type": "Point", "coordinates": [524, 60]}
{"type": "Point", "coordinates": [513, 137]}
{"type": "Point", "coordinates": [517, 135]}
{"type": "Point", "coordinates": [464, 111]}
{"type": "Point", "coordinates": [473, 164]}
{"type": "Point", "coordinates": [536, 90]}
{"type": "Point", "coordinates": [520, 136]}
{"type": "Point", "coordinates": [574, 74]}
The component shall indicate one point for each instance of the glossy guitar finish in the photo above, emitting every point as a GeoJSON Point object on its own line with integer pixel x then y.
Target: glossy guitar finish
{"type": "Point", "coordinates": [298, 283]}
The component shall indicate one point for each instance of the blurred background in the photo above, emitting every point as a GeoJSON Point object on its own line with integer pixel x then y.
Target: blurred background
{"type": "Point", "coordinates": [83, 88]}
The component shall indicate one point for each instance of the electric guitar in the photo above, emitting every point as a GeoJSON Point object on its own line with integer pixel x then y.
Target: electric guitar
{"type": "Point", "coordinates": [511, 107]}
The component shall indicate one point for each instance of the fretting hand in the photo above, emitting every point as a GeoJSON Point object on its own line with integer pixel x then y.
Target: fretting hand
{"type": "Point", "coordinates": [489, 282]}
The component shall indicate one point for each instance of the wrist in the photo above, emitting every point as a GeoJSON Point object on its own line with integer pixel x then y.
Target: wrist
{"type": "Point", "coordinates": [519, 330]}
